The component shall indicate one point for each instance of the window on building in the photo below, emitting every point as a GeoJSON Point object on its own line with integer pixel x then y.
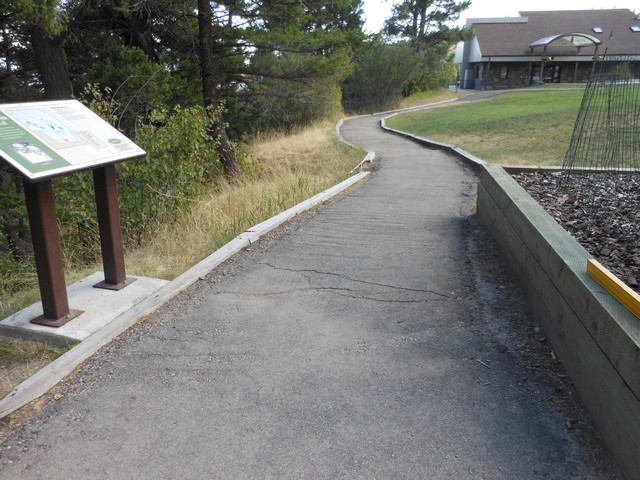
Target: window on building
{"type": "Point", "coordinates": [504, 72]}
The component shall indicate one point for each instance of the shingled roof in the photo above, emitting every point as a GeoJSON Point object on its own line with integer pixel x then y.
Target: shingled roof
{"type": "Point", "coordinates": [503, 37]}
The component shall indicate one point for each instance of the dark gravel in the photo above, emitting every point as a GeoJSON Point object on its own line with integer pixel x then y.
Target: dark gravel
{"type": "Point", "coordinates": [600, 210]}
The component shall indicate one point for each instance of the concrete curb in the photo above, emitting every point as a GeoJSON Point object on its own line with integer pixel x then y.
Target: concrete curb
{"type": "Point", "coordinates": [368, 158]}
{"type": "Point", "coordinates": [45, 379]}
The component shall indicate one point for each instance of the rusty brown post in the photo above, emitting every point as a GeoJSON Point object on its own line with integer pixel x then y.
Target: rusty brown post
{"type": "Point", "coordinates": [104, 181]}
{"type": "Point", "coordinates": [48, 254]}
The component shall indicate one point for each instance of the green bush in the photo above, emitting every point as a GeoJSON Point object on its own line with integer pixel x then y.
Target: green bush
{"type": "Point", "coordinates": [16, 259]}
{"type": "Point", "coordinates": [436, 71]}
{"type": "Point", "coordinates": [181, 165]}
{"type": "Point", "coordinates": [138, 85]}
{"type": "Point", "coordinates": [380, 73]}
{"type": "Point", "coordinates": [77, 219]}
{"type": "Point", "coordinates": [384, 73]}
{"type": "Point", "coordinates": [285, 105]}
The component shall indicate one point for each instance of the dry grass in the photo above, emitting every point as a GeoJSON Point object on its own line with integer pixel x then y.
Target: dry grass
{"type": "Point", "coordinates": [19, 359]}
{"type": "Point", "coordinates": [12, 303]}
{"type": "Point", "coordinates": [283, 169]}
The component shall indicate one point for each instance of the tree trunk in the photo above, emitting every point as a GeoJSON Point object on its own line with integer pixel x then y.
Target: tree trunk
{"type": "Point", "coordinates": [423, 21]}
{"type": "Point", "coordinates": [209, 90]}
{"type": "Point", "coordinates": [52, 65]}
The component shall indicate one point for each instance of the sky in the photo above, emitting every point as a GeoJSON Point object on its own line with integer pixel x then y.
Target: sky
{"type": "Point", "coordinates": [377, 11]}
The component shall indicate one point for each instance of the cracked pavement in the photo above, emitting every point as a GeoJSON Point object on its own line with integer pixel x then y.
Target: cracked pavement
{"type": "Point", "coordinates": [379, 336]}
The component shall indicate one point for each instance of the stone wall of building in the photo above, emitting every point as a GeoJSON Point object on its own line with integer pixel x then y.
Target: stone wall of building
{"type": "Point", "coordinates": [517, 75]}
{"type": "Point", "coordinates": [507, 75]}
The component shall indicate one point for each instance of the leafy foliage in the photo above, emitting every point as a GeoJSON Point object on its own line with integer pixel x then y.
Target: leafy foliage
{"type": "Point", "coordinates": [380, 75]}
{"type": "Point", "coordinates": [299, 54]}
{"type": "Point", "coordinates": [435, 70]}
{"type": "Point", "coordinates": [15, 249]}
{"type": "Point", "coordinates": [139, 85]}
{"type": "Point", "coordinates": [181, 165]}
{"type": "Point", "coordinates": [43, 13]}
{"type": "Point", "coordinates": [287, 99]}
{"type": "Point", "coordinates": [419, 58]}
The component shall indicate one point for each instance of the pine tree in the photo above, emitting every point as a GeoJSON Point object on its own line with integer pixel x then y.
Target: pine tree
{"type": "Point", "coordinates": [424, 22]}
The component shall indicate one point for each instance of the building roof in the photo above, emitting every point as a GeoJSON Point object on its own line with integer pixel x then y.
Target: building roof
{"type": "Point", "coordinates": [515, 36]}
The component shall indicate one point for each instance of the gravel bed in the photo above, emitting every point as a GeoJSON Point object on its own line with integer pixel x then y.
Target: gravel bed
{"type": "Point", "coordinates": [600, 210]}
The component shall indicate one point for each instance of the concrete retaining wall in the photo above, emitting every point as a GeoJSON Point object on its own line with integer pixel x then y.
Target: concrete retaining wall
{"type": "Point", "coordinates": [595, 337]}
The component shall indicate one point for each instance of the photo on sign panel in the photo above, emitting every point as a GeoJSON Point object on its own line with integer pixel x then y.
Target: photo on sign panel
{"type": "Point", "coordinates": [30, 152]}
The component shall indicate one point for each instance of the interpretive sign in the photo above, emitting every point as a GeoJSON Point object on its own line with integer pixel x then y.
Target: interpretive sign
{"type": "Point", "coordinates": [45, 139]}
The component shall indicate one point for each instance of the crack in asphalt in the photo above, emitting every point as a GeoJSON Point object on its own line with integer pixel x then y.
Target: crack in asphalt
{"type": "Point", "coordinates": [343, 292]}
{"type": "Point", "coordinates": [345, 277]}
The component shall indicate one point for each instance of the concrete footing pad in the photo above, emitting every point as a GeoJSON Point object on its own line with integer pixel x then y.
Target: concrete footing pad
{"type": "Point", "coordinates": [99, 307]}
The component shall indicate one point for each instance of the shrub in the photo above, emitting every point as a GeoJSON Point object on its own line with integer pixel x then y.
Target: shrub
{"type": "Point", "coordinates": [181, 165]}
{"type": "Point", "coordinates": [380, 73]}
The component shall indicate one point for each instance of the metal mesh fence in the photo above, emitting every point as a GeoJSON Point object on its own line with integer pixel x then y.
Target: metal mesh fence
{"type": "Point", "coordinates": [605, 135]}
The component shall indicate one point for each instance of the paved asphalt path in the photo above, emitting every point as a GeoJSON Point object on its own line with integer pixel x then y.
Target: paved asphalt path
{"type": "Point", "coordinates": [376, 337]}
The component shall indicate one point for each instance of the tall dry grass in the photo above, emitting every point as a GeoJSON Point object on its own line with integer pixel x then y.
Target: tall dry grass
{"type": "Point", "coordinates": [19, 359]}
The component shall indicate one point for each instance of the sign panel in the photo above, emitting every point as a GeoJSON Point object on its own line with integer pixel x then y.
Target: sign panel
{"type": "Point", "coordinates": [44, 139]}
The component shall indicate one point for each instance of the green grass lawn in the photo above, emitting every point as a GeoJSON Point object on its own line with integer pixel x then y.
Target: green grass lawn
{"type": "Point", "coordinates": [526, 128]}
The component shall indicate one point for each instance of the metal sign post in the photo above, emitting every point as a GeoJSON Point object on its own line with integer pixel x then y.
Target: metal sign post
{"type": "Point", "coordinates": [104, 181]}
{"type": "Point", "coordinates": [48, 255]}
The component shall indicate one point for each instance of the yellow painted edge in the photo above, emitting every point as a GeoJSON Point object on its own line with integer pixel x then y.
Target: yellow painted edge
{"type": "Point", "coordinates": [612, 284]}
